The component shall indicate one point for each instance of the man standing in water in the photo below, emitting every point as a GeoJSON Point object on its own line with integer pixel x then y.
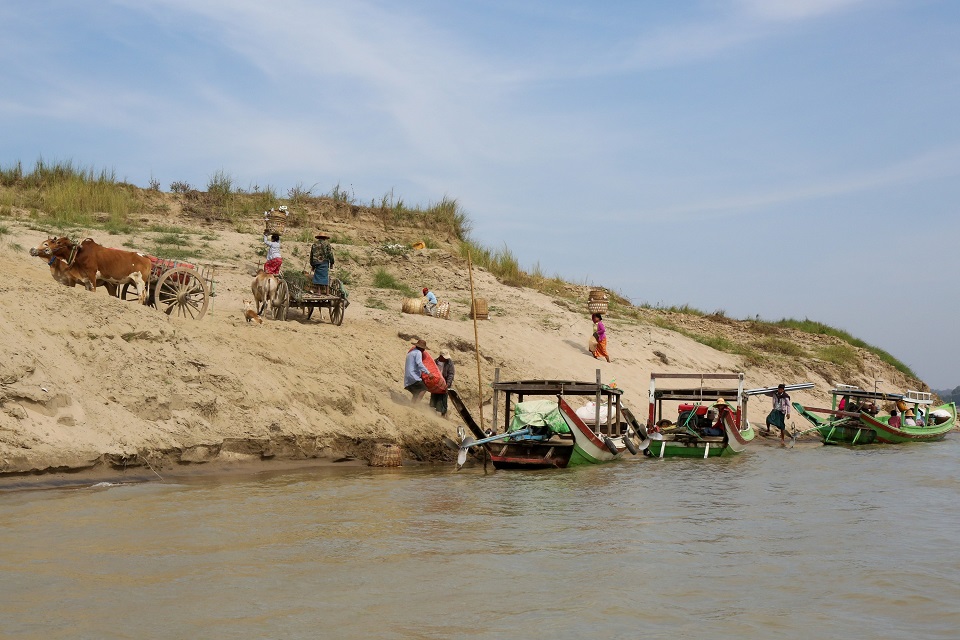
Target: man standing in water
{"type": "Point", "coordinates": [781, 410]}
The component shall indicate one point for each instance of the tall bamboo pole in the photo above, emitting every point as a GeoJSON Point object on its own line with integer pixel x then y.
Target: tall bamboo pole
{"type": "Point", "coordinates": [476, 342]}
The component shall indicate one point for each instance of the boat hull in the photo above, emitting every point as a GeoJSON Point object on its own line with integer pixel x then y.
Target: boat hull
{"type": "Point", "coordinates": [530, 455]}
{"type": "Point", "coordinates": [896, 435]}
{"type": "Point", "coordinates": [689, 445]}
{"type": "Point", "coordinates": [869, 429]}
{"type": "Point", "coordinates": [588, 447]}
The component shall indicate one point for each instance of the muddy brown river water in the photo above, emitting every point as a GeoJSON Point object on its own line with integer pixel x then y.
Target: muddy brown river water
{"type": "Point", "coordinates": [816, 542]}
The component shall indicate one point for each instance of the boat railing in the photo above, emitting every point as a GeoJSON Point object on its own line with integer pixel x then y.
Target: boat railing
{"type": "Point", "coordinates": [850, 387]}
{"type": "Point", "coordinates": [918, 397]}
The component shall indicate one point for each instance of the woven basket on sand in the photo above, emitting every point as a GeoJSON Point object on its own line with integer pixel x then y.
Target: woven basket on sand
{"type": "Point", "coordinates": [386, 454]}
{"type": "Point", "coordinates": [413, 305]}
{"type": "Point", "coordinates": [480, 309]}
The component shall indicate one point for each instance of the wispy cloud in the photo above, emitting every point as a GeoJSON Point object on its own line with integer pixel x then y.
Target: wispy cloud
{"type": "Point", "coordinates": [932, 165]}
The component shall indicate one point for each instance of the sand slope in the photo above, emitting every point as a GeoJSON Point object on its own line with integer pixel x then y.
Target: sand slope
{"type": "Point", "coordinates": [92, 382]}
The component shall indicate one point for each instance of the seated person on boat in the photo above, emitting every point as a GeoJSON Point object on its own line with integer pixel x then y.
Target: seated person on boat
{"type": "Point", "coordinates": [894, 420]}
{"type": "Point", "coordinates": [714, 424]}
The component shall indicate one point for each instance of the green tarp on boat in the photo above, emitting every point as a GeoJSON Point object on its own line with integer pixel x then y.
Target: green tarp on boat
{"type": "Point", "coordinates": [538, 413]}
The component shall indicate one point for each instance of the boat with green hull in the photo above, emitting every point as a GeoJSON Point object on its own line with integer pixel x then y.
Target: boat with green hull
{"type": "Point", "coordinates": [711, 420]}
{"type": "Point", "coordinates": [941, 420]}
{"type": "Point", "coordinates": [550, 433]}
{"type": "Point", "coordinates": [854, 419]}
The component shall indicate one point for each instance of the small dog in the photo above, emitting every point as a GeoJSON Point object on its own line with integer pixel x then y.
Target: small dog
{"type": "Point", "coordinates": [250, 312]}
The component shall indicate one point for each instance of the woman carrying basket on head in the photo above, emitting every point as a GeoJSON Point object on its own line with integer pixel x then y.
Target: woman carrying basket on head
{"type": "Point", "coordinates": [272, 228]}
{"type": "Point", "coordinates": [274, 259]}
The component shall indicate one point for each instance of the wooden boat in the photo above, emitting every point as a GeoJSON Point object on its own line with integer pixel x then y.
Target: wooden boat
{"type": "Point", "coordinates": [933, 430]}
{"type": "Point", "coordinates": [692, 436]}
{"type": "Point", "coordinates": [863, 425]}
{"type": "Point", "coordinates": [550, 434]}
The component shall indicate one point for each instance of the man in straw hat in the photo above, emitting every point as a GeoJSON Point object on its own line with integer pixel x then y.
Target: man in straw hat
{"type": "Point", "coordinates": [439, 400]}
{"type": "Point", "coordinates": [321, 259]}
{"type": "Point", "coordinates": [714, 426]}
{"type": "Point", "coordinates": [413, 370]}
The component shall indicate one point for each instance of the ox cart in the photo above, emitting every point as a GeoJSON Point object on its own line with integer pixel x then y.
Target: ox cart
{"type": "Point", "coordinates": [177, 288]}
{"type": "Point", "coordinates": [294, 294]}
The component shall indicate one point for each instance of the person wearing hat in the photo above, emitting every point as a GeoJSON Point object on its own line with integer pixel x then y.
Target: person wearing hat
{"type": "Point", "coordinates": [714, 424]}
{"type": "Point", "coordinates": [909, 419]}
{"type": "Point", "coordinates": [781, 410]}
{"type": "Point", "coordinates": [413, 371]}
{"type": "Point", "coordinates": [321, 259]}
{"type": "Point", "coordinates": [430, 306]}
{"type": "Point", "coordinates": [439, 400]}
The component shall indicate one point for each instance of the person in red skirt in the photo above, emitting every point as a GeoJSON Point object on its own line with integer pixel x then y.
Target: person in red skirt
{"type": "Point", "coordinates": [274, 260]}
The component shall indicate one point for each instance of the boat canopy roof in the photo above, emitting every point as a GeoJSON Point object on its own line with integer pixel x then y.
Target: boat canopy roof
{"type": "Point", "coordinates": [703, 395]}
{"type": "Point", "coordinates": [912, 397]}
{"type": "Point", "coordinates": [555, 387]}
{"type": "Point", "coordinates": [711, 387]}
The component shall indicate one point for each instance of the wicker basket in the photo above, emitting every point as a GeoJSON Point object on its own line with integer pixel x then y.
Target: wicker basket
{"type": "Point", "coordinates": [413, 305]}
{"type": "Point", "coordinates": [598, 294]}
{"type": "Point", "coordinates": [597, 306]}
{"type": "Point", "coordinates": [442, 310]}
{"type": "Point", "coordinates": [386, 454]}
{"type": "Point", "coordinates": [479, 309]}
{"type": "Point", "coordinates": [275, 220]}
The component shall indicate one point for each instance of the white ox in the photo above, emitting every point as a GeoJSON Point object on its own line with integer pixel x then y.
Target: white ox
{"type": "Point", "coordinates": [265, 288]}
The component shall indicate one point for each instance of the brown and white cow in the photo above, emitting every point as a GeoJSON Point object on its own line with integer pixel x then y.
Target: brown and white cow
{"type": "Point", "coordinates": [265, 288]}
{"type": "Point", "coordinates": [90, 263]}
{"type": "Point", "coordinates": [65, 275]}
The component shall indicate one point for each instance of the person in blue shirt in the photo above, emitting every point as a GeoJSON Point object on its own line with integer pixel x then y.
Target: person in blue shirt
{"type": "Point", "coordinates": [413, 370]}
{"type": "Point", "coordinates": [430, 306]}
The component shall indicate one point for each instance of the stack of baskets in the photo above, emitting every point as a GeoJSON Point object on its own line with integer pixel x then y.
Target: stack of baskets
{"type": "Point", "coordinates": [598, 301]}
{"type": "Point", "coordinates": [386, 454]}
{"type": "Point", "coordinates": [275, 220]}
{"type": "Point", "coordinates": [479, 309]}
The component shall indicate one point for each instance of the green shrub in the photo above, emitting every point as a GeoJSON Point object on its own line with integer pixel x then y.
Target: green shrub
{"type": "Point", "coordinates": [376, 303]}
{"type": "Point", "coordinates": [838, 354]}
{"type": "Point", "coordinates": [167, 228]}
{"type": "Point", "coordinates": [383, 280]}
{"type": "Point", "coordinates": [818, 328]}
{"type": "Point", "coordinates": [779, 346]}
{"type": "Point", "coordinates": [173, 239]}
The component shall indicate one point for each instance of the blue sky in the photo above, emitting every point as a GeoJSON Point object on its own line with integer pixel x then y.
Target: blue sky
{"type": "Point", "coordinates": [780, 158]}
